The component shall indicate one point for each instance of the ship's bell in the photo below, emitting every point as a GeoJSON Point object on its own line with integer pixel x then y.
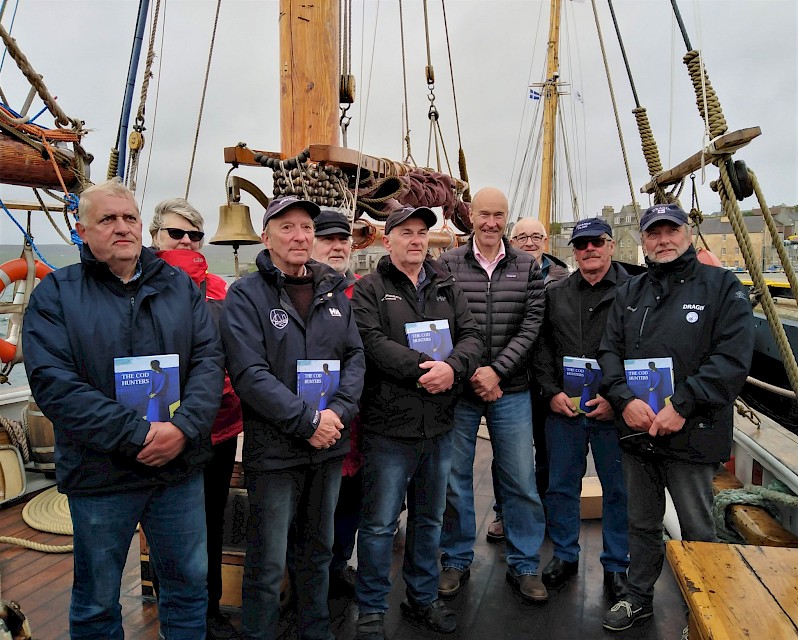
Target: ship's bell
{"type": "Point", "coordinates": [235, 226]}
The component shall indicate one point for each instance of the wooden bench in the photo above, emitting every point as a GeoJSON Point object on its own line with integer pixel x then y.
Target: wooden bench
{"type": "Point", "coordinates": [737, 591]}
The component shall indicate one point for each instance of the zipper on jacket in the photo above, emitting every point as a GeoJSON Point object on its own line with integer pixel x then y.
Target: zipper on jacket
{"type": "Point", "coordinates": [642, 325]}
{"type": "Point", "coordinates": [489, 322]}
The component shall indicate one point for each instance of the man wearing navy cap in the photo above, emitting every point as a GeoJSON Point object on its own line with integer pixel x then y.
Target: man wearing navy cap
{"type": "Point", "coordinates": [293, 308]}
{"type": "Point", "coordinates": [698, 317]}
{"type": "Point", "coordinates": [574, 321]}
{"type": "Point", "coordinates": [408, 417]}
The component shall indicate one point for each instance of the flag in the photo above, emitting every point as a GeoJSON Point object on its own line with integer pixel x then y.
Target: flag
{"type": "Point", "coordinates": [534, 95]}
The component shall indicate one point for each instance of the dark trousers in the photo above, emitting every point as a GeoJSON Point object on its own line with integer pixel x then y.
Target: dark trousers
{"type": "Point", "coordinates": [690, 486]}
{"type": "Point", "coordinates": [347, 515]}
{"type": "Point", "coordinates": [217, 486]}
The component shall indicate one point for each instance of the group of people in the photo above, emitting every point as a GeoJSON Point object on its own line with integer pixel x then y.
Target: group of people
{"type": "Point", "coordinates": [397, 426]}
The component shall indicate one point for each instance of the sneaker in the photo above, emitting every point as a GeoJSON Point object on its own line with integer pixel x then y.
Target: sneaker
{"type": "Point", "coordinates": [686, 633]}
{"type": "Point", "coordinates": [626, 614]}
{"type": "Point", "coordinates": [496, 530]}
{"type": "Point", "coordinates": [436, 615]}
{"type": "Point", "coordinates": [370, 627]}
{"type": "Point", "coordinates": [220, 628]}
{"type": "Point", "coordinates": [451, 581]}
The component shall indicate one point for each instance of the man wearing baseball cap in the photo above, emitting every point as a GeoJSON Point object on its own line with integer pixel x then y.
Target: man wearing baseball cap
{"type": "Point", "coordinates": [699, 318]}
{"type": "Point", "coordinates": [408, 416]}
{"type": "Point", "coordinates": [576, 314]}
{"type": "Point", "coordinates": [292, 309]}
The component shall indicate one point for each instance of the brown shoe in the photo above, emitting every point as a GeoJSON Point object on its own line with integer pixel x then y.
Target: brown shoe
{"type": "Point", "coordinates": [451, 581]}
{"type": "Point", "coordinates": [529, 587]}
{"type": "Point", "coordinates": [496, 530]}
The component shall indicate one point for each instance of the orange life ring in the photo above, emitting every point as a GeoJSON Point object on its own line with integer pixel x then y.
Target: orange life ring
{"type": "Point", "coordinates": [16, 271]}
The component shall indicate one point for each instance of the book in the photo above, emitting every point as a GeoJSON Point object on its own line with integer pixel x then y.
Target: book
{"type": "Point", "coordinates": [651, 380]}
{"type": "Point", "coordinates": [150, 385]}
{"type": "Point", "coordinates": [580, 379]}
{"type": "Point", "coordinates": [431, 337]}
{"type": "Point", "coordinates": [317, 381]}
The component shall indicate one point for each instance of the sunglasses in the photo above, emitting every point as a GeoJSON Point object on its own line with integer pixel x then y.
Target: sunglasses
{"type": "Point", "coordinates": [580, 244]}
{"type": "Point", "coordinates": [177, 234]}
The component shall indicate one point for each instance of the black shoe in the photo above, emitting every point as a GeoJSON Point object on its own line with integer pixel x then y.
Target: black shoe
{"type": "Point", "coordinates": [342, 583]}
{"type": "Point", "coordinates": [370, 627]}
{"type": "Point", "coordinates": [436, 615]}
{"type": "Point", "coordinates": [220, 628]}
{"type": "Point", "coordinates": [615, 585]}
{"type": "Point", "coordinates": [558, 571]}
{"type": "Point", "coordinates": [625, 615]}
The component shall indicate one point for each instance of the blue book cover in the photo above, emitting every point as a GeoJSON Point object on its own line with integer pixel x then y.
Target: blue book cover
{"type": "Point", "coordinates": [580, 380]}
{"type": "Point", "coordinates": [651, 380]}
{"type": "Point", "coordinates": [317, 381]}
{"type": "Point", "coordinates": [150, 385]}
{"type": "Point", "coordinates": [431, 337]}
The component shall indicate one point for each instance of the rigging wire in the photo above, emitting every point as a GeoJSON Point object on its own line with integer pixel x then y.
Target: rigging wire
{"type": "Point", "coordinates": [202, 100]}
{"type": "Point", "coordinates": [633, 200]}
{"type": "Point", "coordinates": [515, 186]}
{"type": "Point", "coordinates": [153, 128]}
{"type": "Point", "coordinates": [10, 30]}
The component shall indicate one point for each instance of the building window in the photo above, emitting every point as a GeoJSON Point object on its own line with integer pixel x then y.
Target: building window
{"type": "Point", "coordinates": [723, 237]}
{"type": "Point", "coordinates": [737, 251]}
{"type": "Point", "coordinates": [723, 252]}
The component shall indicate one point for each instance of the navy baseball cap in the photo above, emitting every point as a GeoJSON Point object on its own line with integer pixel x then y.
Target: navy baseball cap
{"type": "Point", "coordinates": [590, 228]}
{"type": "Point", "coordinates": [330, 221]}
{"type": "Point", "coordinates": [397, 217]}
{"type": "Point", "coordinates": [279, 205]}
{"type": "Point", "coordinates": [663, 212]}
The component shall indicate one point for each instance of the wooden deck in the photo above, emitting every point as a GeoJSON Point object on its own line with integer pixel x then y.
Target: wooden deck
{"type": "Point", "coordinates": [487, 609]}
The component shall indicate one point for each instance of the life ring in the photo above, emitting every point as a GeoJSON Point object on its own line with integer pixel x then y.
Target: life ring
{"type": "Point", "coordinates": [17, 271]}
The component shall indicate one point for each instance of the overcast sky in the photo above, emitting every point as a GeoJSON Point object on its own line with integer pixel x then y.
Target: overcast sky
{"type": "Point", "coordinates": [82, 49]}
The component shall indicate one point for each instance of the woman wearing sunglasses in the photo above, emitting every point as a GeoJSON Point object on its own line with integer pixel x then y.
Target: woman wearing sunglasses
{"type": "Point", "coordinates": [177, 234]}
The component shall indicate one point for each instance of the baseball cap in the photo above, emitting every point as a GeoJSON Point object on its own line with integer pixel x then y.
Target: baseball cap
{"type": "Point", "coordinates": [590, 228]}
{"type": "Point", "coordinates": [330, 221]}
{"type": "Point", "coordinates": [279, 205]}
{"type": "Point", "coordinates": [659, 212]}
{"type": "Point", "coordinates": [397, 217]}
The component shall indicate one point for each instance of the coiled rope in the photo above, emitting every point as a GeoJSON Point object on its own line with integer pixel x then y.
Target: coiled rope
{"type": "Point", "coordinates": [48, 512]}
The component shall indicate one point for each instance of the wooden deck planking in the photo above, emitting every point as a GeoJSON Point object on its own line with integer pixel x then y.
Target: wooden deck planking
{"type": "Point", "coordinates": [487, 608]}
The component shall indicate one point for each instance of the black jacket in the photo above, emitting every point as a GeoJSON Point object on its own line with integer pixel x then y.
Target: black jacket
{"type": "Point", "coordinates": [508, 308]}
{"type": "Point", "coordinates": [264, 336]}
{"type": "Point", "coordinates": [699, 316]}
{"type": "Point", "coordinates": [79, 319]}
{"type": "Point", "coordinates": [563, 333]}
{"type": "Point", "coordinates": [384, 302]}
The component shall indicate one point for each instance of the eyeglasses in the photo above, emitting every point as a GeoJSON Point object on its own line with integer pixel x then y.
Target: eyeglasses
{"type": "Point", "coordinates": [580, 244]}
{"type": "Point", "coordinates": [523, 238]}
{"type": "Point", "coordinates": [177, 234]}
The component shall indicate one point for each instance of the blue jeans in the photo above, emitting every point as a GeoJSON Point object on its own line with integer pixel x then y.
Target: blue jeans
{"type": "Point", "coordinates": [393, 468]}
{"type": "Point", "coordinates": [568, 440]}
{"type": "Point", "coordinates": [173, 518]}
{"type": "Point", "coordinates": [305, 495]}
{"type": "Point", "coordinates": [510, 425]}
{"type": "Point", "coordinates": [690, 486]}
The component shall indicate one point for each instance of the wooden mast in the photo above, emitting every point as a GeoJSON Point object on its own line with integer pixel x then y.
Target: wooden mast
{"type": "Point", "coordinates": [309, 74]}
{"type": "Point", "coordinates": [550, 97]}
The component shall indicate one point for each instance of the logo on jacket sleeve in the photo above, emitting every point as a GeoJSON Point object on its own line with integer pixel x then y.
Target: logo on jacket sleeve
{"type": "Point", "coordinates": [279, 318]}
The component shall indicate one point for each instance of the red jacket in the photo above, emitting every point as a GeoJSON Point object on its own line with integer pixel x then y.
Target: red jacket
{"type": "Point", "coordinates": [228, 423]}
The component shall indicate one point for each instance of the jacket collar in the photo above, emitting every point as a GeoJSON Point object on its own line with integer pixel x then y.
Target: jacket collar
{"type": "Point", "coordinates": [685, 265]}
{"type": "Point", "coordinates": [325, 278]}
{"type": "Point", "coordinates": [435, 272]}
{"type": "Point", "coordinates": [150, 264]}
{"type": "Point", "coordinates": [510, 252]}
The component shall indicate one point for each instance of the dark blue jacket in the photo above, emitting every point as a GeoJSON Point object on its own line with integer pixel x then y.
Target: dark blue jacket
{"type": "Point", "coordinates": [701, 318]}
{"type": "Point", "coordinates": [264, 336]}
{"type": "Point", "coordinates": [79, 319]}
{"type": "Point", "coordinates": [384, 302]}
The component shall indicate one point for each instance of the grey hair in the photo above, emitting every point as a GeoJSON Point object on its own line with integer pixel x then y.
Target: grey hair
{"type": "Point", "coordinates": [112, 187]}
{"type": "Point", "coordinates": [181, 207]}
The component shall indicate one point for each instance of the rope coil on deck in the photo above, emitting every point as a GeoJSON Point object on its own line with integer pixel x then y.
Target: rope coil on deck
{"type": "Point", "coordinates": [48, 512]}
